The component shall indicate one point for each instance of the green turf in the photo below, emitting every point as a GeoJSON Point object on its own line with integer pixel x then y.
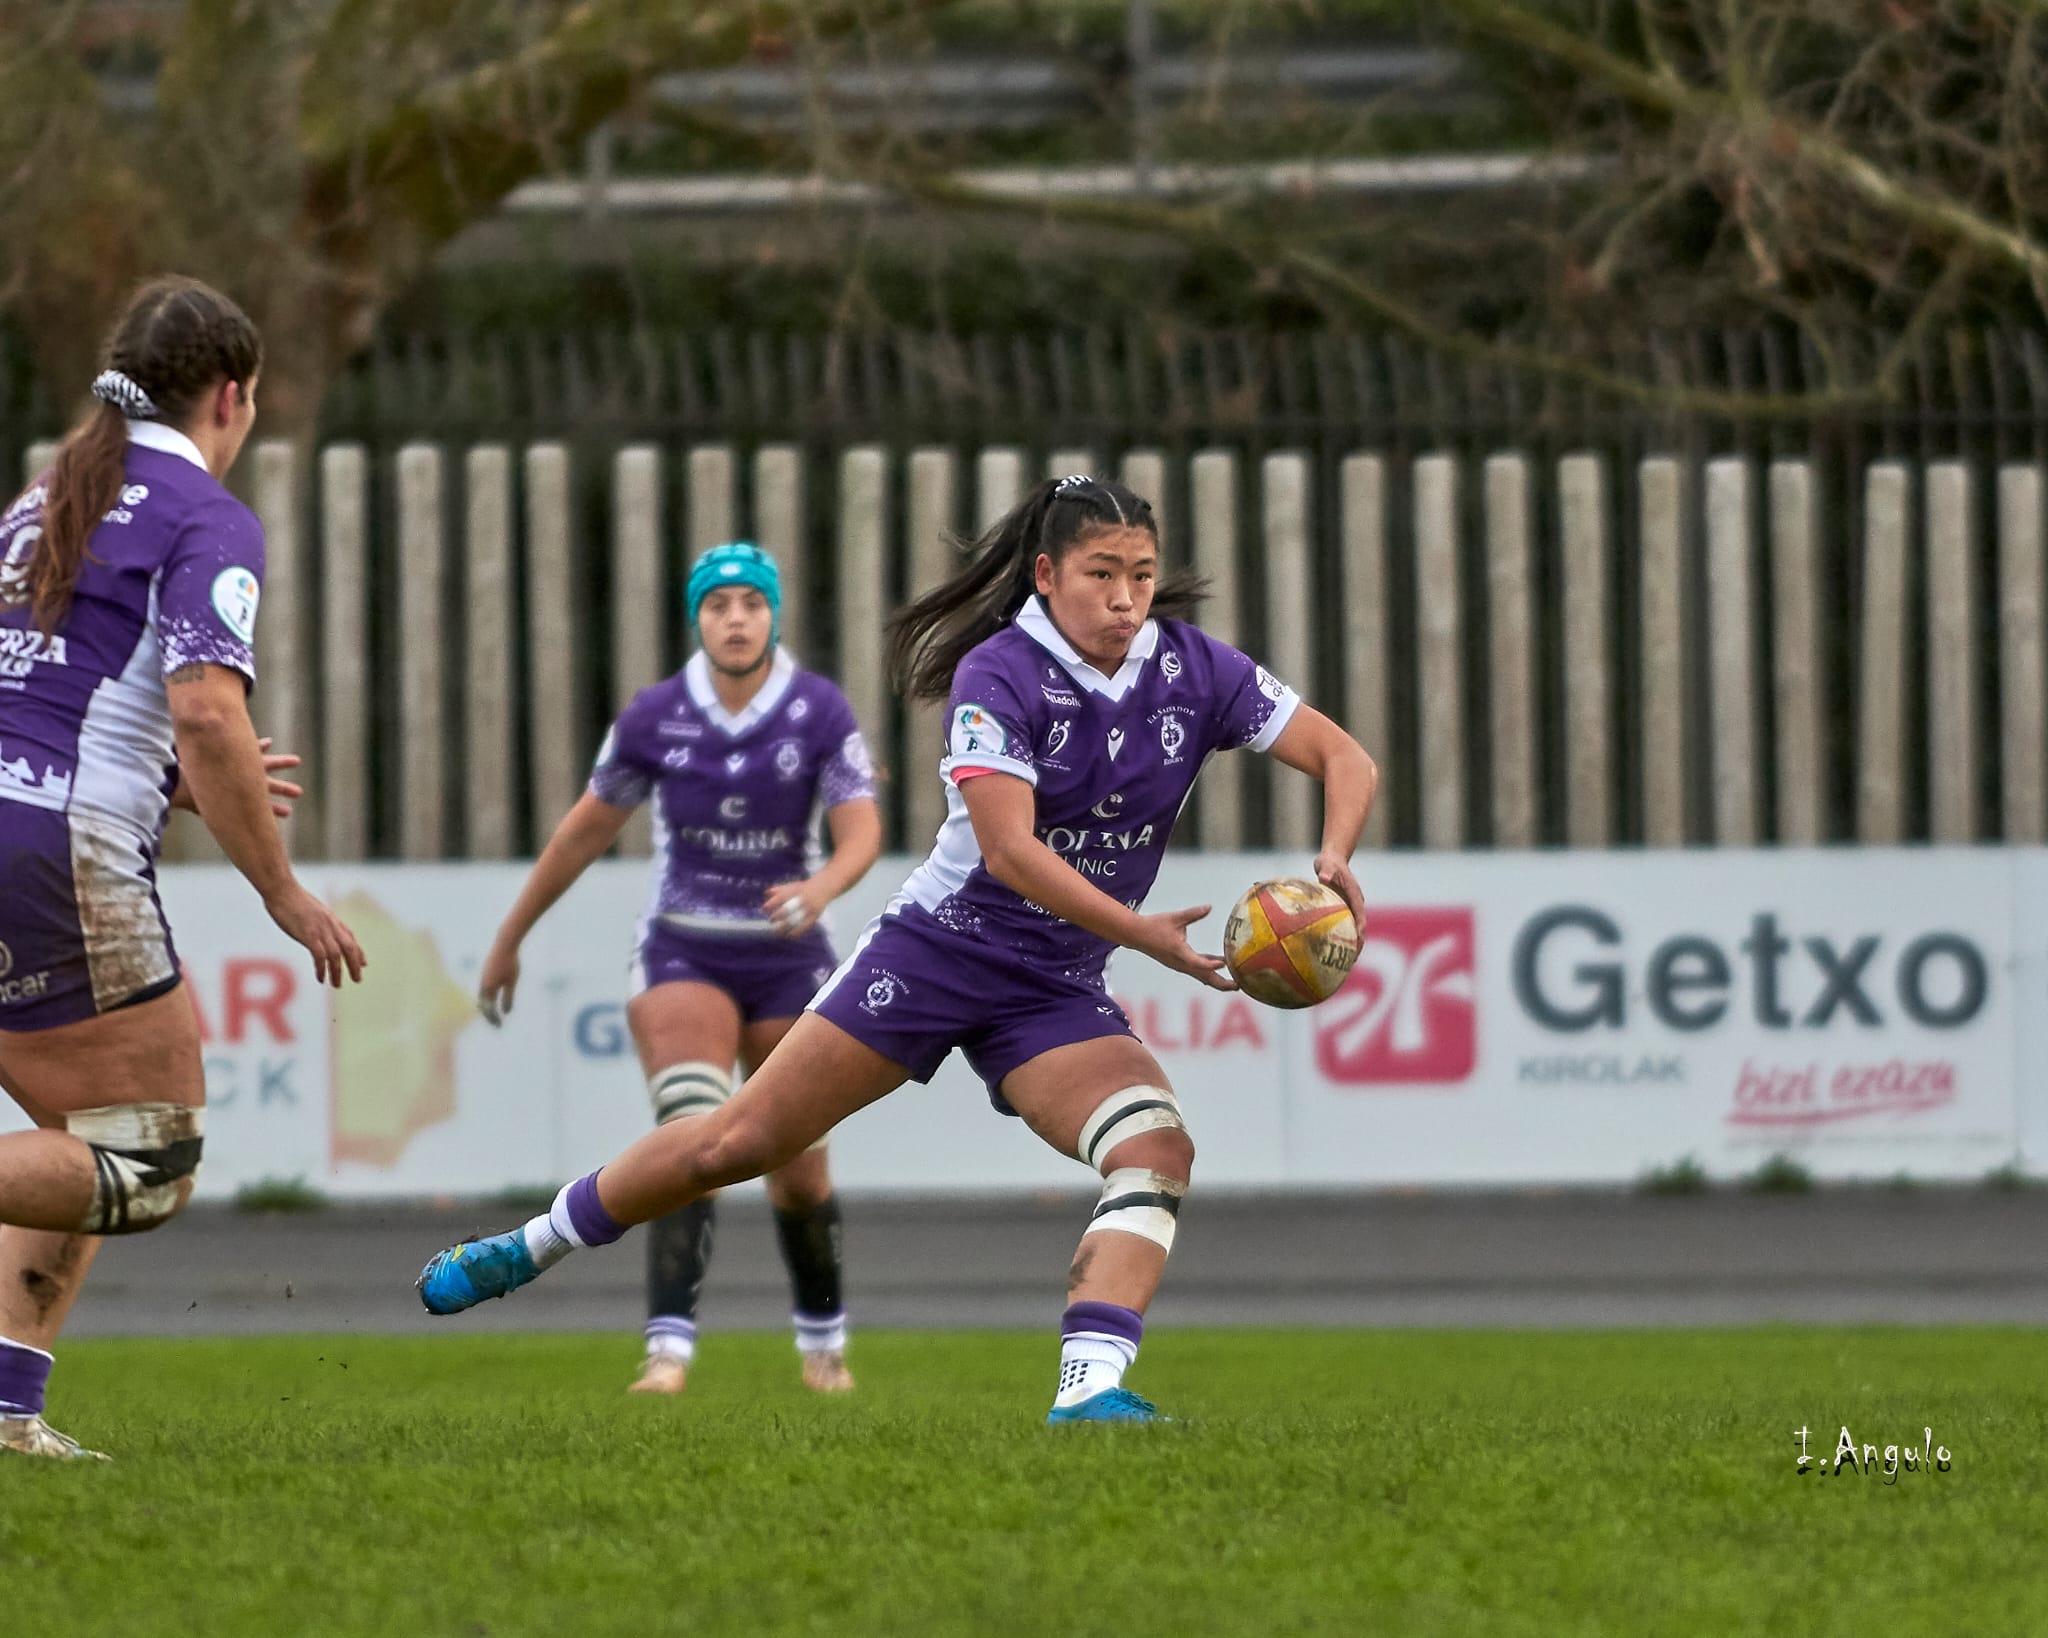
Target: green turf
{"type": "Point", "coordinates": [1338, 1482]}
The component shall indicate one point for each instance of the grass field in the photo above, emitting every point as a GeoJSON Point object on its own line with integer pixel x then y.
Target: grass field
{"type": "Point", "coordinates": [1406, 1483]}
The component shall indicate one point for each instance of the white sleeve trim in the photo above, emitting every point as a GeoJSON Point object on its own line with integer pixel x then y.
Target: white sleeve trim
{"type": "Point", "coordinates": [994, 764]}
{"type": "Point", "coordinates": [1283, 713]}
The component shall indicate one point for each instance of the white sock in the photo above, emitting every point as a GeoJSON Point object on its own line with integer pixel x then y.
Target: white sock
{"type": "Point", "coordinates": [671, 1335]}
{"type": "Point", "coordinates": [819, 1334]}
{"type": "Point", "coordinates": [1088, 1364]}
{"type": "Point", "coordinates": [545, 1243]}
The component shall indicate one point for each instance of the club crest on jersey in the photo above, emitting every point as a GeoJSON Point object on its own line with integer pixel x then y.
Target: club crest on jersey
{"type": "Point", "coordinates": [733, 809]}
{"type": "Point", "coordinates": [1169, 665]}
{"type": "Point", "coordinates": [1116, 742]}
{"type": "Point", "coordinates": [235, 596]}
{"type": "Point", "coordinates": [976, 732]}
{"type": "Point", "coordinates": [884, 988]}
{"type": "Point", "coordinates": [1172, 736]}
{"type": "Point", "coordinates": [789, 759]}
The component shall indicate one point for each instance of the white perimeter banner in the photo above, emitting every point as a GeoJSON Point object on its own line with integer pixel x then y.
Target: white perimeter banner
{"type": "Point", "coordinates": [1514, 1018]}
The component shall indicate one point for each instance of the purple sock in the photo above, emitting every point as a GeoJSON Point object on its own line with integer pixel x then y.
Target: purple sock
{"type": "Point", "coordinates": [24, 1379]}
{"type": "Point", "coordinates": [580, 1216]}
{"type": "Point", "coordinates": [1106, 1320]}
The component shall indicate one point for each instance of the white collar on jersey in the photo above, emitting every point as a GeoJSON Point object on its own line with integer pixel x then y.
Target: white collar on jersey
{"type": "Point", "coordinates": [1036, 624]}
{"type": "Point", "coordinates": [704, 692]}
{"type": "Point", "coordinates": [166, 440]}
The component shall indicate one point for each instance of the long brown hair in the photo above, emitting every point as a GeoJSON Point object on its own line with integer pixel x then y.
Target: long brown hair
{"type": "Point", "coordinates": [176, 340]}
{"type": "Point", "coordinates": [928, 638]}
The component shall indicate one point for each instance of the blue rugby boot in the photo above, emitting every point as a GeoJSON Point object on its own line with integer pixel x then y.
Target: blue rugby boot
{"type": "Point", "coordinates": [475, 1271]}
{"type": "Point", "coordinates": [1110, 1405]}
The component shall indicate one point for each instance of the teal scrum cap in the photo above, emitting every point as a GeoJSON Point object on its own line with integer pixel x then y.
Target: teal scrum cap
{"type": "Point", "coordinates": [737, 563]}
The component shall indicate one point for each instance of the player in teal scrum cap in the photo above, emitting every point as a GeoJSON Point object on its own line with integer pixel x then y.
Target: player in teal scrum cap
{"type": "Point", "coordinates": [738, 563]}
{"type": "Point", "coordinates": [739, 752]}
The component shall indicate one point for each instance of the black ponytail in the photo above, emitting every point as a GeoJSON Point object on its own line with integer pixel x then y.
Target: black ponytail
{"type": "Point", "coordinates": [930, 636]}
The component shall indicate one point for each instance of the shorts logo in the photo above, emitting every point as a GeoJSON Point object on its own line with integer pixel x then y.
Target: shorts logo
{"type": "Point", "coordinates": [789, 759]}
{"type": "Point", "coordinates": [1172, 736]}
{"type": "Point", "coordinates": [733, 809]}
{"type": "Point", "coordinates": [976, 732]}
{"type": "Point", "coordinates": [6, 961]}
{"type": "Point", "coordinates": [235, 596]}
{"type": "Point", "coordinates": [1116, 742]}
{"type": "Point", "coordinates": [1169, 665]}
{"type": "Point", "coordinates": [884, 989]}
{"type": "Point", "coordinates": [1408, 1013]}
{"type": "Point", "coordinates": [1056, 741]}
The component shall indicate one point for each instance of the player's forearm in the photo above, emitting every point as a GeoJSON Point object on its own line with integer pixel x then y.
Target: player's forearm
{"type": "Point", "coordinates": [221, 765]}
{"type": "Point", "coordinates": [856, 845]}
{"type": "Point", "coordinates": [570, 851]}
{"type": "Point", "coordinates": [1032, 870]}
{"type": "Point", "coordinates": [1351, 779]}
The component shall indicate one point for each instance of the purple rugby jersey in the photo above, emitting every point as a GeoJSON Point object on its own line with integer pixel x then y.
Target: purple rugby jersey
{"type": "Point", "coordinates": [88, 761]}
{"type": "Point", "coordinates": [171, 578]}
{"type": "Point", "coordinates": [1112, 760]}
{"type": "Point", "coordinates": [737, 797]}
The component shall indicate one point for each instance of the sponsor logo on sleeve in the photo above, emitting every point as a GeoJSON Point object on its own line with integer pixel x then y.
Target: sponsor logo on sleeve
{"type": "Point", "coordinates": [1269, 685]}
{"type": "Point", "coordinates": [235, 596]}
{"type": "Point", "coordinates": [977, 733]}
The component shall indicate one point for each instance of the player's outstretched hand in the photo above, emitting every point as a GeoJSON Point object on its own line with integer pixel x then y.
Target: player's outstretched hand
{"type": "Point", "coordinates": [500, 979]}
{"type": "Point", "coordinates": [1333, 870]}
{"type": "Point", "coordinates": [1164, 937]}
{"type": "Point", "coordinates": [333, 947]}
{"type": "Point", "coordinates": [283, 793]}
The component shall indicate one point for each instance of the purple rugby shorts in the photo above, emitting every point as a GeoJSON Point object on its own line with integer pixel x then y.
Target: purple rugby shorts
{"type": "Point", "coordinates": [81, 931]}
{"type": "Point", "coordinates": [767, 976]}
{"type": "Point", "coordinates": [913, 990]}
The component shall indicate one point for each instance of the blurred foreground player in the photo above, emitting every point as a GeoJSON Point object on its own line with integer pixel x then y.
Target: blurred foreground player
{"type": "Point", "coordinates": [739, 751]}
{"type": "Point", "coordinates": [1082, 706]}
{"type": "Point", "coordinates": [129, 580]}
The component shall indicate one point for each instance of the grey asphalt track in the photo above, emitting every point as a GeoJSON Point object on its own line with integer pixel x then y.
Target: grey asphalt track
{"type": "Point", "coordinates": [1922, 1257]}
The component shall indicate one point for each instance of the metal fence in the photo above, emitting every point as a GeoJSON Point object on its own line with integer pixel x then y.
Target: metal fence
{"type": "Point", "coordinates": [1541, 651]}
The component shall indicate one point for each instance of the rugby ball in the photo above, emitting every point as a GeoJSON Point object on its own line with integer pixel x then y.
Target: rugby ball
{"type": "Point", "coordinates": [1290, 943]}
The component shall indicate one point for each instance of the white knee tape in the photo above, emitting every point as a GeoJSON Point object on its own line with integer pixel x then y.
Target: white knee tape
{"type": "Point", "coordinates": [142, 1154]}
{"type": "Point", "coordinates": [688, 1089]}
{"type": "Point", "coordinates": [1124, 1115]}
{"type": "Point", "coordinates": [1135, 1201]}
